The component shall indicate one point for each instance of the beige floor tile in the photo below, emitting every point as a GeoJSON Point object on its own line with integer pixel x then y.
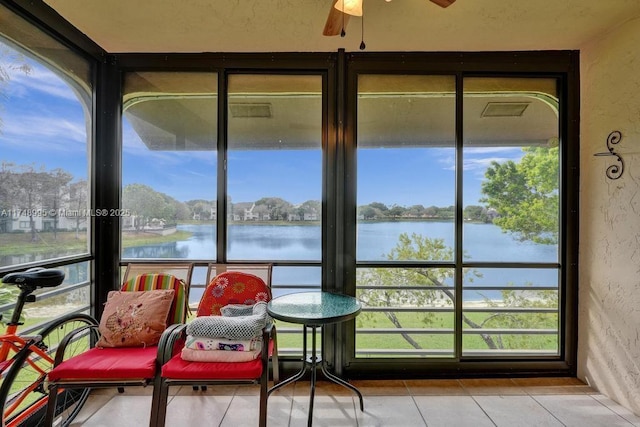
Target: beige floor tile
{"type": "Point", "coordinates": [581, 410]}
{"type": "Point", "coordinates": [197, 410]}
{"type": "Point", "coordinates": [323, 388]}
{"type": "Point", "coordinates": [122, 411]}
{"type": "Point", "coordinates": [279, 410]}
{"type": "Point", "coordinates": [516, 411]}
{"type": "Point", "coordinates": [452, 411]}
{"type": "Point", "coordinates": [211, 390]}
{"type": "Point", "coordinates": [328, 411]}
{"type": "Point", "coordinates": [618, 409]}
{"type": "Point", "coordinates": [390, 411]}
{"type": "Point", "coordinates": [93, 404]}
{"type": "Point", "coordinates": [242, 412]}
{"type": "Point", "coordinates": [409, 403]}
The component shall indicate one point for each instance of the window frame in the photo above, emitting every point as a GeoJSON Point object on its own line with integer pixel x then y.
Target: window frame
{"type": "Point", "coordinates": [562, 66]}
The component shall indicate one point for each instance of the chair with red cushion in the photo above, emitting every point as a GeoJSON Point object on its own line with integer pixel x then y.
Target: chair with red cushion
{"type": "Point", "coordinates": [231, 284]}
{"type": "Point", "coordinates": [102, 367]}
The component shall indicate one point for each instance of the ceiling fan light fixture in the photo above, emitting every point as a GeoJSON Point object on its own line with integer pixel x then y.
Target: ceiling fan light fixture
{"type": "Point", "coordinates": [350, 7]}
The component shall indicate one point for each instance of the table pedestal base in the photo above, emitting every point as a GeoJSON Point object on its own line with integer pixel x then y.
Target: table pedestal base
{"type": "Point", "coordinates": [311, 363]}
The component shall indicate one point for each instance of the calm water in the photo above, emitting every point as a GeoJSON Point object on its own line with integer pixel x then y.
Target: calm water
{"type": "Point", "coordinates": [482, 242]}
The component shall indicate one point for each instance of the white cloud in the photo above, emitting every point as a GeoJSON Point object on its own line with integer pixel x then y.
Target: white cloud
{"type": "Point", "coordinates": [44, 133]}
{"type": "Point", "coordinates": [42, 80]}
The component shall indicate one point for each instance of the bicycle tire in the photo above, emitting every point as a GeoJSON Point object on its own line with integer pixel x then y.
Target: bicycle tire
{"type": "Point", "coordinates": [23, 376]}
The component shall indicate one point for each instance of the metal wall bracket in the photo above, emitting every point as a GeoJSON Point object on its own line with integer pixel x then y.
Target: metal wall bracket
{"type": "Point", "coordinates": [614, 171]}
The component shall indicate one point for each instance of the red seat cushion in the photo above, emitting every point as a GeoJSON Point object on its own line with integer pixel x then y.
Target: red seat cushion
{"type": "Point", "coordinates": [108, 363]}
{"type": "Point", "coordinates": [179, 369]}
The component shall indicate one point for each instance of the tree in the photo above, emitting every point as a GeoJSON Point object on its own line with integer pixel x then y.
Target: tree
{"type": "Point", "coordinates": [384, 292]}
{"type": "Point", "coordinates": [143, 202]}
{"type": "Point", "coordinates": [277, 208]}
{"type": "Point", "coordinates": [55, 188]}
{"type": "Point", "coordinates": [34, 190]}
{"type": "Point", "coordinates": [78, 201]}
{"type": "Point", "coordinates": [396, 211]}
{"type": "Point", "coordinates": [416, 211]}
{"type": "Point", "coordinates": [311, 207]}
{"type": "Point", "coordinates": [200, 209]}
{"type": "Point", "coordinates": [525, 195]}
{"type": "Point", "coordinates": [379, 206]}
{"type": "Point", "coordinates": [367, 212]}
{"type": "Point", "coordinates": [476, 213]}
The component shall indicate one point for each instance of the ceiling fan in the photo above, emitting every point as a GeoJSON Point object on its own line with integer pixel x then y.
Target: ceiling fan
{"type": "Point", "coordinates": [341, 10]}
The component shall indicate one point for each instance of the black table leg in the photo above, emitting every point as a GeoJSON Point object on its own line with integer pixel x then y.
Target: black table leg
{"type": "Point", "coordinates": [300, 373]}
{"type": "Point", "coordinates": [311, 362]}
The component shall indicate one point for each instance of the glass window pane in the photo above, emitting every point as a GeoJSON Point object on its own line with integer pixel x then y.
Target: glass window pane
{"type": "Point", "coordinates": [511, 172]}
{"type": "Point", "coordinates": [169, 163]}
{"type": "Point", "coordinates": [511, 311]}
{"type": "Point", "coordinates": [406, 167]}
{"type": "Point", "coordinates": [45, 124]}
{"type": "Point", "coordinates": [407, 312]}
{"type": "Point", "coordinates": [275, 167]}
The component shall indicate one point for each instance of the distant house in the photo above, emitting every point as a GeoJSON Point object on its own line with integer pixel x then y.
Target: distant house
{"type": "Point", "coordinates": [244, 211]}
{"type": "Point", "coordinates": [311, 216]}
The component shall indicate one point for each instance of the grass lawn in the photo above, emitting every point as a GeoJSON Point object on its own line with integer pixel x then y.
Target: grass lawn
{"type": "Point", "coordinates": [68, 242]}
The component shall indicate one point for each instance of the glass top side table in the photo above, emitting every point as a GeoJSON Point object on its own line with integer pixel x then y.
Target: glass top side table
{"type": "Point", "coordinates": [314, 310]}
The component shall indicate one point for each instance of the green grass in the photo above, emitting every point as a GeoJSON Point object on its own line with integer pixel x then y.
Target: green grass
{"type": "Point", "coordinates": [428, 341]}
{"type": "Point", "coordinates": [67, 242]}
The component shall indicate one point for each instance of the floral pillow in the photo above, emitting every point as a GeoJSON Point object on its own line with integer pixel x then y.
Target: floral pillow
{"type": "Point", "coordinates": [134, 318]}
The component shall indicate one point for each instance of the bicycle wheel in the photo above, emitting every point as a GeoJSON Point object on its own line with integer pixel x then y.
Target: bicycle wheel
{"type": "Point", "coordinates": [23, 393]}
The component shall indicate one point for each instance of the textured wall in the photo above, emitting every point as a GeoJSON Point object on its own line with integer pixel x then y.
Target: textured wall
{"type": "Point", "coordinates": [609, 330]}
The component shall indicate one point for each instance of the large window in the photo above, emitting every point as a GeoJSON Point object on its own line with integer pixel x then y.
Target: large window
{"type": "Point", "coordinates": [45, 145]}
{"type": "Point", "coordinates": [169, 160]}
{"type": "Point", "coordinates": [457, 253]}
{"type": "Point", "coordinates": [275, 167]}
{"type": "Point", "coordinates": [436, 196]}
{"type": "Point", "coordinates": [511, 178]}
{"type": "Point", "coordinates": [271, 200]}
{"type": "Point", "coordinates": [406, 196]}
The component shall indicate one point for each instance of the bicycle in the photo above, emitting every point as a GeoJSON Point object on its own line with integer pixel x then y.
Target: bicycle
{"type": "Point", "coordinates": [25, 360]}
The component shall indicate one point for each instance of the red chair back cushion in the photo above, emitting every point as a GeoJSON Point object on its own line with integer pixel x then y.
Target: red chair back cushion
{"type": "Point", "coordinates": [232, 287]}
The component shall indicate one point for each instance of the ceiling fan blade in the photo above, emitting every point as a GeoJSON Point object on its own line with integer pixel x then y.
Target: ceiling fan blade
{"type": "Point", "coordinates": [443, 3]}
{"type": "Point", "coordinates": [336, 21]}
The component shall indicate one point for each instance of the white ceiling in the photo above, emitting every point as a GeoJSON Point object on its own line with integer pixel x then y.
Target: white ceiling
{"type": "Point", "coordinates": [296, 25]}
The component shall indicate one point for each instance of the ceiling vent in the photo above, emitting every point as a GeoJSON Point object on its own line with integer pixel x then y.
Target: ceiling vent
{"type": "Point", "coordinates": [250, 110]}
{"type": "Point", "coordinates": [504, 109]}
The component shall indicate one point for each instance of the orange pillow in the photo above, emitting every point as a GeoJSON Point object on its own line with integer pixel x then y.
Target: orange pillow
{"type": "Point", "coordinates": [134, 319]}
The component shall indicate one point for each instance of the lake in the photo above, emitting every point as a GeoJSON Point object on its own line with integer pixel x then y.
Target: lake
{"type": "Point", "coordinates": [481, 242]}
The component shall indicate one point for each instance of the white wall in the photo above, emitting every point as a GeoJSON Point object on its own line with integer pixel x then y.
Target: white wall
{"type": "Point", "coordinates": [609, 299]}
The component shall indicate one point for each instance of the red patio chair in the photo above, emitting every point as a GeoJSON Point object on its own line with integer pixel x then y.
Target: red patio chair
{"type": "Point", "coordinates": [234, 284]}
{"type": "Point", "coordinates": [102, 367]}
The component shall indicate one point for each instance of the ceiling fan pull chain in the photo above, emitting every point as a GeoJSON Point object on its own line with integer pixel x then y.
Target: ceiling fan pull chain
{"type": "Point", "coordinates": [342, 31]}
{"type": "Point", "coordinates": [362, 45]}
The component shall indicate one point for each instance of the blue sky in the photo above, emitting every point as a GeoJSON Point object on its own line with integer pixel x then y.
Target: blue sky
{"type": "Point", "coordinates": [44, 124]}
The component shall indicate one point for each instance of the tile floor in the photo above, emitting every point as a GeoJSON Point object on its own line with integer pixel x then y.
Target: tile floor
{"type": "Point", "coordinates": [410, 403]}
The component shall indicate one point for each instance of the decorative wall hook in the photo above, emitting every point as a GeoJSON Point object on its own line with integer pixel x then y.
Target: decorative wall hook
{"type": "Point", "coordinates": [614, 171]}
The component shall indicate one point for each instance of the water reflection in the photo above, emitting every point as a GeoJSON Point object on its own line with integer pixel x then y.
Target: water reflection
{"type": "Point", "coordinates": [160, 250]}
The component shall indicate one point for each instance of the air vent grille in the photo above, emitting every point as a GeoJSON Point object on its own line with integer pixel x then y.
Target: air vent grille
{"type": "Point", "coordinates": [504, 109]}
{"type": "Point", "coordinates": [250, 110]}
